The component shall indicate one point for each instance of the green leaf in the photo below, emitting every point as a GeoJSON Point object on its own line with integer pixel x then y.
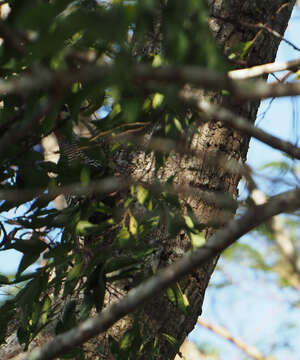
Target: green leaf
{"type": "Point", "coordinates": [4, 280]}
{"type": "Point", "coordinates": [27, 260]}
{"type": "Point", "coordinates": [32, 290]}
{"type": "Point", "coordinates": [85, 227]}
{"type": "Point", "coordinates": [75, 272]}
{"type": "Point", "coordinates": [69, 287]}
{"type": "Point", "coordinates": [32, 245]}
{"type": "Point", "coordinates": [99, 293]}
{"type": "Point", "coordinates": [7, 312]}
{"type": "Point", "coordinates": [131, 110]}
{"type": "Point", "coordinates": [197, 239]}
{"type": "Point", "coordinates": [114, 347]}
{"type": "Point", "coordinates": [239, 50]}
{"type": "Point", "coordinates": [69, 318]}
{"type": "Point", "coordinates": [157, 100]}
{"type": "Point", "coordinates": [142, 194]}
{"type": "Point", "coordinates": [282, 166]}
{"type": "Point", "coordinates": [36, 315]}
{"type": "Point", "coordinates": [24, 277]}
{"type": "Point", "coordinates": [177, 297]}
{"type": "Point", "coordinates": [188, 221]}
{"type": "Point", "coordinates": [60, 250]}
{"type": "Point", "coordinates": [124, 238]}
{"type": "Point", "coordinates": [46, 309]}
{"type": "Point", "coordinates": [157, 60]}
{"type": "Point", "coordinates": [23, 334]}
{"type": "Point", "coordinates": [177, 124]}
{"type": "Point", "coordinates": [171, 339]}
{"type": "Point", "coordinates": [121, 262]}
{"type": "Point", "coordinates": [88, 303]}
{"type": "Point", "coordinates": [85, 175]}
{"type": "Point", "coordinates": [246, 47]}
{"type": "Point", "coordinates": [133, 226]}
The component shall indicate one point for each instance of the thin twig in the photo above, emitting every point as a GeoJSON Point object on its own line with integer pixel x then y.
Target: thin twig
{"type": "Point", "coordinates": [271, 31]}
{"type": "Point", "coordinates": [221, 331]}
{"type": "Point", "coordinates": [5, 237]}
{"type": "Point", "coordinates": [282, 239]}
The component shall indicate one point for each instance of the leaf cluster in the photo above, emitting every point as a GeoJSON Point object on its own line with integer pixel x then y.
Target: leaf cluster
{"type": "Point", "coordinates": [99, 239]}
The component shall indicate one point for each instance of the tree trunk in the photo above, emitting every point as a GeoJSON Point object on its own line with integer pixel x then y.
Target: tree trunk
{"type": "Point", "coordinates": [227, 23]}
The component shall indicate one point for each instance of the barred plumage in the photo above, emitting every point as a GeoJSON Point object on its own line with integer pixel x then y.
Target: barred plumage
{"type": "Point", "coordinates": [74, 155]}
{"type": "Point", "coordinates": [71, 151]}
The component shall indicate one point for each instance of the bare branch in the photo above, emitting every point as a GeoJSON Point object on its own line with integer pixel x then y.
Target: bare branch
{"type": "Point", "coordinates": [288, 201]}
{"type": "Point", "coordinates": [263, 69]}
{"type": "Point", "coordinates": [146, 75]}
{"type": "Point", "coordinates": [111, 184]}
{"type": "Point", "coordinates": [260, 26]}
{"type": "Point", "coordinates": [43, 79]}
{"type": "Point", "coordinates": [283, 241]}
{"type": "Point", "coordinates": [271, 31]}
{"type": "Point", "coordinates": [239, 123]}
{"type": "Point", "coordinates": [221, 331]}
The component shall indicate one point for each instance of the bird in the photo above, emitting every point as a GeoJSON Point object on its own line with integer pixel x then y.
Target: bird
{"type": "Point", "coordinates": [76, 150]}
{"type": "Point", "coordinates": [80, 159]}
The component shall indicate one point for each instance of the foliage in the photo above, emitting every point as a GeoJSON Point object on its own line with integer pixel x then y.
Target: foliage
{"type": "Point", "coordinates": [55, 39]}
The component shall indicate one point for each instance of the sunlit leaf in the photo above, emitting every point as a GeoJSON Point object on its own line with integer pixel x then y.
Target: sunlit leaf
{"type": "Point", "coordinates": [157, 100]}
{"type": "Point", "coordinates": [142, 194]}
{"type": "Point", "coordinates": [46, 309]}
{"type": "Point", "coordinates": [197, 238]}
{"type": "Point", "coordinates": [133, 225]}
{"type": "Point", "coordinates": [177, 297]}
{"type": "Point", "coordinates": [124, 237]}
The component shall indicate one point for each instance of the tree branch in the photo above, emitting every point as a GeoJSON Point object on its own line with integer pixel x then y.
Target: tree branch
{"type": "Point", "coordinates": [221, 331]}
{"type": "Point", "coordinates": [43, 79]}
{"type": "Point", "coordinates": [263, 69]}
{"type": "Point", "coordinates": [113, 183]}
{"type": "Point", "coordinates": [241, 124]}
{"type": "Point", "coordinates": [288, 201]}
{"type": "Point", "coordinates": [283, 241]}
{"type": "Point", "coordinates": [271, 31]}
{"type": "Point", "coordinates": [142, 75]}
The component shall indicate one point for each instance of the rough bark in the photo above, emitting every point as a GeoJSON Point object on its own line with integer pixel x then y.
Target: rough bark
{"type": "Point", "coordinates": [226, 22]}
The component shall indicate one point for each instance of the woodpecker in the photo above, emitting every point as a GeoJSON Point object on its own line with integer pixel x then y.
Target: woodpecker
{"type": "Point", "coordinates": [72, 150]}
{"type": "Point", "coordinates": [77, 157]}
